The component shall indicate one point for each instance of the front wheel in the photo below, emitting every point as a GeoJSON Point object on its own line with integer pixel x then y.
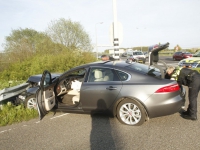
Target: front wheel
{"type": "Point", "coordinates": [30, 102]}
{"type": "Point", "coordinates": [131, 112]}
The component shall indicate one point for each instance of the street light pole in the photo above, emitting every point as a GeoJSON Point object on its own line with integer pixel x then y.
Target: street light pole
{"type": "Point", "coordinates": [96, 37]}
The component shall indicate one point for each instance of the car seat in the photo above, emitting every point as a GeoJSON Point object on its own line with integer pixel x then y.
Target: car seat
{"type": "Point", "coordinates": [76, 86]}
{"type": "Point", "coordinates": [98, 75]}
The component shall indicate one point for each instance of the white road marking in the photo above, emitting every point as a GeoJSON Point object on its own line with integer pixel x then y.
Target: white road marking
{"type": "Point", "coordinates": [3, 131]}
{"type": "Point", "coordinates": [59, 116]}
{"type": "Point", "coordinates": [35, 122]}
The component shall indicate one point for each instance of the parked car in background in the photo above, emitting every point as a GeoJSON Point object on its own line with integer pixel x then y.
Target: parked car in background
{"type": "Point", "coordinates": [124, 54]}
{"type": "Point", "coordinates": [136, 56]}
{"type": "Point", "coordinates": [192, 63]}
{"type": "Point", "coordinates": [132, 92]}
{"type": "Point", "coordinates": [181, 55]}
{"type": "Point", "coordinates": [197, 54]}
{"type": "Point", "coordinates": [27, 97]}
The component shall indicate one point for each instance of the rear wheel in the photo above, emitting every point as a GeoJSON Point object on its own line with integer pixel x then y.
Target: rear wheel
{"type": "Point", "coordinates": [131, 112]}
{"type": "Point", "coordinates": [30, 102]}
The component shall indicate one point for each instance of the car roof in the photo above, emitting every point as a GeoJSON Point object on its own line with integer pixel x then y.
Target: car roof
{"type": "Point", "coordinates": [113, 64]}
{"type": "Point", "coordinates": [108, 64]}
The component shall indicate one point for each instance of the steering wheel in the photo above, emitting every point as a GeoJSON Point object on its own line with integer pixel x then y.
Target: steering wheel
{"type": "Point", "coordinates": [67, 84]}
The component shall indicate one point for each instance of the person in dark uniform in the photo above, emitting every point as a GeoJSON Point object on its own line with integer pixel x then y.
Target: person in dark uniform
{"type": "Point", "coordinates": [107, 58]}
{"type": "Point", "coordinates": [172, 72]}
{"type": "Point", "coordinates": [191, 79]}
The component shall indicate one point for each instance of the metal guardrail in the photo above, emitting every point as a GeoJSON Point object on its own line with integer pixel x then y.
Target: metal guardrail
{"type": "Point", "coordinates": [7, 93]}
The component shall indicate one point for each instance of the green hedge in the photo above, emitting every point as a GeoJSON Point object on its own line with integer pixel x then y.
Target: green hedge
{"type": "Point", "coordinates": [57, 63]}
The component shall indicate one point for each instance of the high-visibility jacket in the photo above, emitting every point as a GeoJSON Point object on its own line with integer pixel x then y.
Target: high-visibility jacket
{"type": "Point", "coordinates": [175, 73]}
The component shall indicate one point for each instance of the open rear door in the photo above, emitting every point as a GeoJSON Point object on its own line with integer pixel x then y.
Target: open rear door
{"type": "Point", "coordinates": [45, 96]}
{"type": "Point", "coordinates": [154, 57]}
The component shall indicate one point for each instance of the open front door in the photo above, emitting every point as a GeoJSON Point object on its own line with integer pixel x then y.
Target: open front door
{"type": "Point", "coordinates": [154, 57]}
{"type": "Point", "coordinates": [45, 96]}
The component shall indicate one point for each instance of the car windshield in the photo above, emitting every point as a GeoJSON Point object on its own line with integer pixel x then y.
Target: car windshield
{"type": "Point", "coordinates": [192, 65]}
{"type": "Point", "coordinates": [187, 53]}
{"type": "Point", "coordinates": [137, 53]}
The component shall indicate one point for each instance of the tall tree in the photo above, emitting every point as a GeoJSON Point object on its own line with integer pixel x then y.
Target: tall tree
{"type": "Point", "coordinates": [23, 44]}
{"type": "Point", "coordinates": [71, 34]}
{"type": "Point", "coordinates": [177, 48]}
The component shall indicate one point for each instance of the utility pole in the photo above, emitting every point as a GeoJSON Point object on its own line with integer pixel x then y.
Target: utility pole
{"type": "Point", "coordinates": [115, 30]}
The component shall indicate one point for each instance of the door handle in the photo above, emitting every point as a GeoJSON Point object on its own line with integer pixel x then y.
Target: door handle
{"type": "Point", "coordinates": [111, 88]}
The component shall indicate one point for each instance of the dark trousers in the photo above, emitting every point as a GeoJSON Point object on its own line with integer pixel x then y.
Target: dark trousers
{"type": "Point", "coordinates": [193, 95]}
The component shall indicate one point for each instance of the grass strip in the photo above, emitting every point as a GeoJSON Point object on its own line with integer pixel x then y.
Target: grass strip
{"type": "Point", "coordinates": [10, 114]}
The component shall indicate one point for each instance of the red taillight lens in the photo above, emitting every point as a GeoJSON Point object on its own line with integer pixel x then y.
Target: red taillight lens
{"type": "Point", "coordinates": [170, 88]}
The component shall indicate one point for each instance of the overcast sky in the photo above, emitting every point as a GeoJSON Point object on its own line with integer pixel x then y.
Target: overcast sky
{"type": "Point", "coordinates": [144, 22]}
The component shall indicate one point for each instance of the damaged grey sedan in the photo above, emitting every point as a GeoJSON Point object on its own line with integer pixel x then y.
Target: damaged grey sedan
{"type": "Point", "coordinates": [131, 92]}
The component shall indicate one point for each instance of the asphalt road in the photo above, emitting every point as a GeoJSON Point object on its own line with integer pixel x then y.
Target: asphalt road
{"type": "Point", "coordinates": [84, 132]}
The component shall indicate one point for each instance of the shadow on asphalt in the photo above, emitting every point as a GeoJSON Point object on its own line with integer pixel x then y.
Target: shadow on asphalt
{"type": "Point", "coordinates": [101, 133]}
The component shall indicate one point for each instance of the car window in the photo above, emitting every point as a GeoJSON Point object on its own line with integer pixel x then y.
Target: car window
{"type": "Point", "coordinates": [77, 75]}
{"type": "Point", "coordinates": [123, 76]}
{"type": "Point", "coordinates": [47, 80]}
{"type": "Point", "coordinates": [102, 75]}
{"type": "Point", "coordinates": [187, 53]}
{"type": "Point", "coordinates": [77, 72]}
{"type": "Point", "coordinates": [137, 53]}
{"type": "Point", "coordinates": [177, 53]}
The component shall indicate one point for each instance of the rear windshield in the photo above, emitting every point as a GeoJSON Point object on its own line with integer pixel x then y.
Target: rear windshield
{"type": "Point", "coordinates": [193, 65]}
{"type": "Point", "coordinates": [144, 69]}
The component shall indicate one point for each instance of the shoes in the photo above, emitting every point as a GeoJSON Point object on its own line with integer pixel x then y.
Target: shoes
{"type": "Point", "coordinates": [189, 117]}
{"type": "Point", "coordinates": [185, 113]}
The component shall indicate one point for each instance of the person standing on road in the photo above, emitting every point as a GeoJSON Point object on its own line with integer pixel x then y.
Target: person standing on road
{"type": "Point", "coordinates": [107, 58]}
{"type": "Point", "coordinates": [191, 79]}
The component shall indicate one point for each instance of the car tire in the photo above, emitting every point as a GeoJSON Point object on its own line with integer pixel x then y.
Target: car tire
{"type": "Point", "coordinates": [131, 112]}
{"type": "Point", "coordinates": [174, 59]}
{"type": "Point", "coordinates": [30, 102]}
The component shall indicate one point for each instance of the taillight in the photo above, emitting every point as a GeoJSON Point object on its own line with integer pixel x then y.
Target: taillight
{"type": "Point", "coordinates": [170, 88]}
